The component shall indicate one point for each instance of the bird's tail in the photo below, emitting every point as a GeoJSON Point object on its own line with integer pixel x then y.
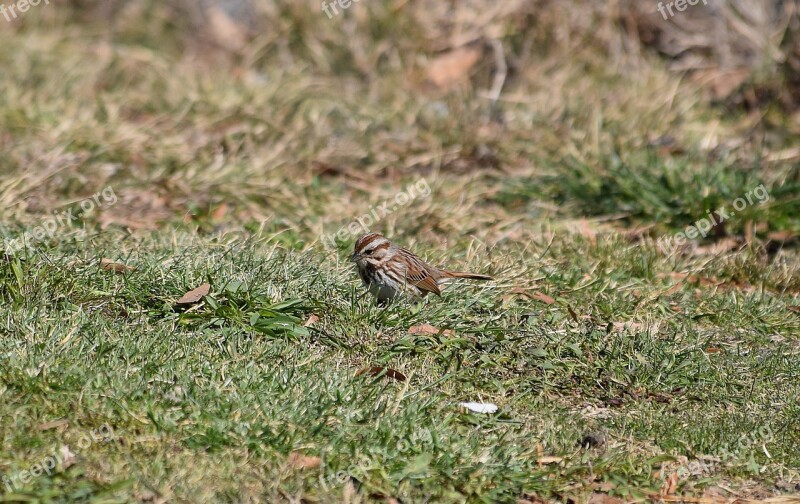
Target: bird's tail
{"type": "Point", "coordinates": [471, 276]}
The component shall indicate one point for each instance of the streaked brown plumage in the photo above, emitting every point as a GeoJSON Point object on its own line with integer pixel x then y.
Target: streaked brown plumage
{"type": "Point", "coordinates": [389, 271]}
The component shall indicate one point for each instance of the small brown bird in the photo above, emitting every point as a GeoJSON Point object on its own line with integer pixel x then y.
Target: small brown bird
{"type": "Point", "coordinates": [389, 271]}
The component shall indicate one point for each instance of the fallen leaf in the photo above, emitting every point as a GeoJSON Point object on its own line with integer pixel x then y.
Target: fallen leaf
{"type": "Point", "coordinates": [377, 370]}
{"type": "Point", "coordinates": [544, 298]}
{"type": "Point", "coordinates": [451, 68]}
{"type": "Point", "coordinates": [299, 461]}
{"type": "Point", "coordinates": [219, 213]}
{"type": "Point", "coordinates": [312, 319]}
{"type": "Point", "coordinates": [712, 350]}
{"type": "Point", "coordinates": [67, 457]}
{"type": "Point", "coordinates": [670, 485]}
{"type": "Point", "coordinates": [53, 424]}
{"type": "Point", "coordinates": [429, 329]}
{"type": "Point", "coordinates": [795, 309]}
{"type": "Point", "coordinates": [474, 407]}
{"type": "Point", "coordinates": [673, 290]}
{"type": "Point", "coordinates": [195, 295]}
{"type": "Point", "coordinates": [109, 265]}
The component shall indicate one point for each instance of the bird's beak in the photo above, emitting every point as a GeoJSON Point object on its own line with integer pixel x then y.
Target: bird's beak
{"type": "Point", "coordinates": [355, 257]}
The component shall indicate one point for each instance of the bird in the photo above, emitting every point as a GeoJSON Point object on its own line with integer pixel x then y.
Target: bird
{"type": "Point", "coordinates": [390, 272]}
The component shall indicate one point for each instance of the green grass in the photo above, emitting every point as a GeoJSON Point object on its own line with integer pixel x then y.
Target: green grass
{"type": "Point", "coordinates": [645, 364]}
{"type": "Point", "coordinates": [204, 403]}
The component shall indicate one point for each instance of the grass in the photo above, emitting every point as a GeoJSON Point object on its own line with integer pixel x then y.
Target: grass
{"type": "Point", "coordinates": [614, 363]}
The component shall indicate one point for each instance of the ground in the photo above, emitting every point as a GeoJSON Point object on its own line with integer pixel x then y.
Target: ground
{"type": "Point", "coordinates": [631, 355]}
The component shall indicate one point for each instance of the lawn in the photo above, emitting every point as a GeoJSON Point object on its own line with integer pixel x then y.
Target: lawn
{"type": "Point", "coordinates": [180, 321]}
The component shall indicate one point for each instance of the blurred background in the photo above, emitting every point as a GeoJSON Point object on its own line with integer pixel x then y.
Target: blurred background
{"type": "Point", "coordinates": [297, 116]}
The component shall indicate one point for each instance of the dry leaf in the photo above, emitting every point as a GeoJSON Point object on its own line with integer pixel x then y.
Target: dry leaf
{"type": "Point", "coordinates": [795, 309]}
{"type": "Point", "coordinates": [670, 484]}
{"type": "Point", "coordinates": [429, 329]}
{"type": "Point", "coordinates": [544, 298]}
{"type": "Point", "coordinates": [449, 69]}
{"type": "Point", "coordinates": [312, 319]}
{"type": "Point", "coordinates": [377, 370]}
{"type": "Point", "coordinates": [53, 424]}
{"type": "Point", "coordinates": [195, 295]}
{"type": "Point", "coordinates": [712, 350]}
{"type": "Point", "coordinates": [219, 213]}
{"type": "Point", "coordinates": [299, 461]}
{"type": "Point", "coordinates": [109, 265]}
{"type": "Point", "coordinates": [672, 290]}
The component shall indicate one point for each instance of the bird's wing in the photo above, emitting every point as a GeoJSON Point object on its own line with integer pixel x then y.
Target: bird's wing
{"type": "Point", "coordinates": [419, 275]}
{"type": "Point", "coordinates": [428, 284]}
